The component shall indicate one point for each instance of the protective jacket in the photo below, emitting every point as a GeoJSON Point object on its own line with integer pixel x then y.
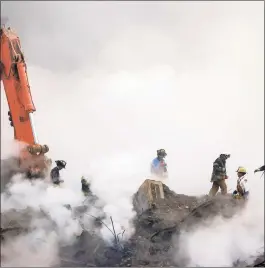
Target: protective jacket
{"type": "Point", "coordinates": [242, 185]}
{"type": "Point", "coordinates": [85, 186]}
{"type": "Point", "coordinates": [219, 170]}
{"type": "Point", "coordinates": [55, 175]}
{"type": "Point", "coordinates": [158, 167]}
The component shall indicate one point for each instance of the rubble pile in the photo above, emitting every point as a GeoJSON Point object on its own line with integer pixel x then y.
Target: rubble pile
{"type": "Point", "coordinates": [151, 245]}
{"type": "Point", "coordinates": [156, 226]}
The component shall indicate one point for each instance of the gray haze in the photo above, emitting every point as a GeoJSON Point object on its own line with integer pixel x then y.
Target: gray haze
{"type": "Point", "coordinates": [113, 82]}
{"type": "Point", "coordinates": [122, 77]}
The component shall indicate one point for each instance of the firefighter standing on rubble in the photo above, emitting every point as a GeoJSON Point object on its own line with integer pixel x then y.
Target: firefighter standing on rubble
{"type": "Point", "coordinates": [219, 175]}
{"type": "Point", "coordinates": [158, 165]}
{"type": "Point", "coordinates": [55, 172]}
{"type": "Point", "coordinates": [242, 189]}
{"type": "Point", "coordinates": [85, 186]}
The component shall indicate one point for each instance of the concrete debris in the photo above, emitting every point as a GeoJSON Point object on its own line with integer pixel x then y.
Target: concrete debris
{"type": "Point", "coordinates": [161, 215]}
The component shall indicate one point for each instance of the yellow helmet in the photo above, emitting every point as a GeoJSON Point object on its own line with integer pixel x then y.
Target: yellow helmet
{"type": "Point", "coordinates": [241, 170]}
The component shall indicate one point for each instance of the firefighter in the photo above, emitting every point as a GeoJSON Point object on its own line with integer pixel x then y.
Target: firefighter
{"type": "Point", "coordinates": [158, 165]}
{"type": "Point", "coordinates": [262, 168]}
{"type": "Point", "coordinates": [242, 189]}
{"type": "Point", "coordinates": [55, 172]}
{"type": "Point", "coordinates": [85, 186]}
{"type": "Point", "coordinates": [219, 175]}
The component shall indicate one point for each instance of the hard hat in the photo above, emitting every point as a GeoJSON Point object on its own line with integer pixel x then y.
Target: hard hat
{"type": "Point", "coordinates": [241, 170]}
{"type": "Point", "coordinates": [161, 152]}
{"type": "Point", "coordinates": [61, 163]}
{"type": "Point", "coordinates": [225, 156]}
{"type": "Point", "coordinates": [83, 179]}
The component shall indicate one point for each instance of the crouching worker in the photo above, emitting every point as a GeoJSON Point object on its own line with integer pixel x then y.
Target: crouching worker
{"type": "Point", "coordinates": [242, 189]}
{"type": "Point", "coordinates": [55, 172]}
{"type": "Point", "coordinates": [85, 186]}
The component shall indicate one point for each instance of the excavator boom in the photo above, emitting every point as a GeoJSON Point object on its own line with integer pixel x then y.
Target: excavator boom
{"type": "Point", "coordinates": [16, 86]}
{"type": "Point", "coordinates": [13, 71]}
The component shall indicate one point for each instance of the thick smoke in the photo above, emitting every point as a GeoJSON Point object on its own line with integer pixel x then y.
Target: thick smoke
{"type": "Point", "coordinates": [113, 82]}
{"type": "Point", "coordinates": [40, 246]}
{"type": "Point", "coordinates": [221, 242]}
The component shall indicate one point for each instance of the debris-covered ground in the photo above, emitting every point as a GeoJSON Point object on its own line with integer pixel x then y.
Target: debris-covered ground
{"type": "Point", "coordinates": [151, 245]}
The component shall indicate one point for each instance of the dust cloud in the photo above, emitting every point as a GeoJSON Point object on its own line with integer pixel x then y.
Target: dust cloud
{"type": "Point", "coordinates": [221, 242]}
{"type": "Point", "coordinates": [113, 82]}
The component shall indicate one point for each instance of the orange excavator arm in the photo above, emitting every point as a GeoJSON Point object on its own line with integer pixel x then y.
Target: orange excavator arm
{"type": "Point", "coordinates": [14, 76]}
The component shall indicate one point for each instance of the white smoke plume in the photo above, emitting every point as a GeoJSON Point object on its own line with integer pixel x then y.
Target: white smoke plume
{"type": "Point", "coordinates": [35, 249]}
{"type": "Point", "coordinates": [221, 242]}
{"type": "Point", "coordinates": [41, 244]}
{"type": "Point", "coordinates": [114, 82]}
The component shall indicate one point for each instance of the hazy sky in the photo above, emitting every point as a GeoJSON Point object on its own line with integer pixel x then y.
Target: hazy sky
{"type": "Point", "coordinates": [113, 82]}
